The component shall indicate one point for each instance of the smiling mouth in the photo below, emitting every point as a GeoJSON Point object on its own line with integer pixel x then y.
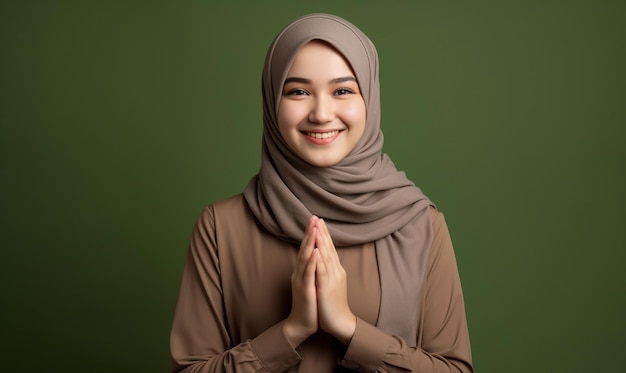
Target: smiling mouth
{"type": "Point", "coordinates": [322, 135]}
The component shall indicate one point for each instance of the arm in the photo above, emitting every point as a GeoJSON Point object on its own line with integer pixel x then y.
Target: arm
{"type": "Point", "coordinates": [199, 339]}
{"type": "Point", "coordinates": [443, 339]}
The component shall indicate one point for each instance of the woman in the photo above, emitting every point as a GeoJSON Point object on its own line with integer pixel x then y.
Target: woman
{"type": "Point", "coordinates": [331, 259]}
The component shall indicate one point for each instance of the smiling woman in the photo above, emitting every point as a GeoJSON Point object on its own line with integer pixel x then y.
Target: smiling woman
{"type": "Point", "coordinates": [321, 114]}
{"type": "Point", "coordinates": [331, 259]}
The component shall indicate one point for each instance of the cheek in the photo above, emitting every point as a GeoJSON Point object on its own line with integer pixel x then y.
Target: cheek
{"type": "Point", "coordinates": [289, 115]}
{"type": "Point", "coordinates": [355, 113]}
{"type": "Point", "coordinates": [283, 121]}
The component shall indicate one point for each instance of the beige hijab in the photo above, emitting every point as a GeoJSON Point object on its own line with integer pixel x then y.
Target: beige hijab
{"type": "Point", "coordinates": [364, 198]}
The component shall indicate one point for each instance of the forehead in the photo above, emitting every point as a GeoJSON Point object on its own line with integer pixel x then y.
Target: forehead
{"type": "Point", "coordinates": [318, 57]}
{"type": "Point", "coordinates": [343, 35]}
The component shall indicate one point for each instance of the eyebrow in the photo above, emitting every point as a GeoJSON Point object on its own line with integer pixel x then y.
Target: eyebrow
{"type": "Point", "coordinates": [342, 79]}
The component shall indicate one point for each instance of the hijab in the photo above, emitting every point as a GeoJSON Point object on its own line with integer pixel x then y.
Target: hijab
{"type": "Point", "coordinates": [363, 198]}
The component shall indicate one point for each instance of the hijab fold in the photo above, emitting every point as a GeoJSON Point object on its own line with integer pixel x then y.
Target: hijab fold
{"type": "Point", "coordinates": [363, 198]}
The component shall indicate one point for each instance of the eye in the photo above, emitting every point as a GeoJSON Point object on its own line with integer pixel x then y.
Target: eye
{"type": "Point", "coordinates": [343, 91]}
{"type": "Point", "coordinates": [297, 92]}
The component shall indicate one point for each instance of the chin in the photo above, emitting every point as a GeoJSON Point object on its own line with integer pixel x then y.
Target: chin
{"type": "Point", "coordinates": [322, 163]}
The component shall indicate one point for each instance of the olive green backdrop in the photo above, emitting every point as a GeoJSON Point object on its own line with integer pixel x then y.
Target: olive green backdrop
{"type": "Point", "coordinates": [121, 120]}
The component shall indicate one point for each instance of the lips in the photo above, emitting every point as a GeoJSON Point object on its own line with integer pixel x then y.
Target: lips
{"type": "Point", "coordinates": [321, 138]}
{"type": "Point", "coordinates": [322, 135]}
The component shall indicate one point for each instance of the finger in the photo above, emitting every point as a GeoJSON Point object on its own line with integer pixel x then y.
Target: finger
{"type": "Point", "coordinates": [307, 245]}
{"type": "Point", "coordinates": [321, 243]}
{"type": "Point", "coordinates": [321, 270]}
{"type": "Point", "coordinates": [330, 252]}
{"type": "Point", "coordinates": [326, 261]}
{"type": "Point", "coordinates": [310, 268]}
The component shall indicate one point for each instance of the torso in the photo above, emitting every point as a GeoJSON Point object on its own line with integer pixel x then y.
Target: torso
{"type": "Point", "coordinates": [256, 268]}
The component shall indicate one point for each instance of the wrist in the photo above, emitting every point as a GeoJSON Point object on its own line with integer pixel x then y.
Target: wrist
{"type": "Point", "coordinates": [294, 335]}
{"type": "Point", "coordinates": [346, 330]}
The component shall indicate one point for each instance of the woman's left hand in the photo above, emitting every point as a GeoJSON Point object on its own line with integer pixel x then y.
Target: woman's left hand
{"type": "Point", "coordinates": [334, 313]}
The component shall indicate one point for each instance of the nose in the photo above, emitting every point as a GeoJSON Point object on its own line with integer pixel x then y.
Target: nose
{"type": "Point", "coordinates": [321, 110]}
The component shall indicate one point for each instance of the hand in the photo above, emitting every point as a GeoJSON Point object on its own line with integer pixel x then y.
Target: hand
{"type": "Point", "coordinates": [303, 319]}
{"type": "Point", "coordinates": [335, 315]}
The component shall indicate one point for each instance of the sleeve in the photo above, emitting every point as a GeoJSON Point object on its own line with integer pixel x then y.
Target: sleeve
{"type": "Point", "coordinates": [199, 338]}
{"type": "Point", "coordinates": [444, 344]}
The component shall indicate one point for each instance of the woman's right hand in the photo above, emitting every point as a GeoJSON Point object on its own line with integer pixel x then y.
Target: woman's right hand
{"type": "Point", "coordinates": [302, 321]}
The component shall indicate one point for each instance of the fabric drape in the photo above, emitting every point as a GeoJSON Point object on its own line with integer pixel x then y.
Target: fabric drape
{"type": "Point", "coordinates": [363, 198]}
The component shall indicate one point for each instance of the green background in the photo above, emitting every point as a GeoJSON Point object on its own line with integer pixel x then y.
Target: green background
{"type": "Point", "coordinates": [121, 120]}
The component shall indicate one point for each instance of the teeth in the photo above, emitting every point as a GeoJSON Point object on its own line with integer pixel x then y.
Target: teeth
{"type": "Point", "coordinates": [322, 135]}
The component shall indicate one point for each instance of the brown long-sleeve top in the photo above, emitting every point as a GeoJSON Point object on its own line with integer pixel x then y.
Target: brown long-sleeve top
{"type": "Point", "coordinates": [236, 290]}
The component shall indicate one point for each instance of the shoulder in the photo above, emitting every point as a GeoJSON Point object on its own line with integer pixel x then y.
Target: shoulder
{"type": "Point", "coordinates": [437, 218]}
{"type": "Point", "coordinates": [442, 250]}
{"type": "Point", "coordinates": [232, 209]}
{"type": "Point", "coordinates": [232, 218]}
{"type": "Point", "coordinates": [222, 208]}
{"type": "Point", "coordinates": [226, 210]}
{"type": "Point", "coordinates": [235, 201]}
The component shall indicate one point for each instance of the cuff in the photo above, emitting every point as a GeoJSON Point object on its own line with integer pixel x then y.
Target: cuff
{"type": "Point", "coordinates": [367, 348]}
{"type": "Point", "coordinates": [274, 351]}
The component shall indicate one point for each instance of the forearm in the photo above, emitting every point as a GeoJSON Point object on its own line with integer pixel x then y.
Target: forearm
{"type": "Point", "coordinates": [200, 339]}
{"type": "Point", "coordinates": [269, 351]}
{"type": "Point", "coordinates": [443, 340]}
{"type": "Point", "coordinates": [372, 350]}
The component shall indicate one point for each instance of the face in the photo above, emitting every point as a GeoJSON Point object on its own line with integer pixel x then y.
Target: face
{"type": "Point", "coordinates": [321, 113]}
